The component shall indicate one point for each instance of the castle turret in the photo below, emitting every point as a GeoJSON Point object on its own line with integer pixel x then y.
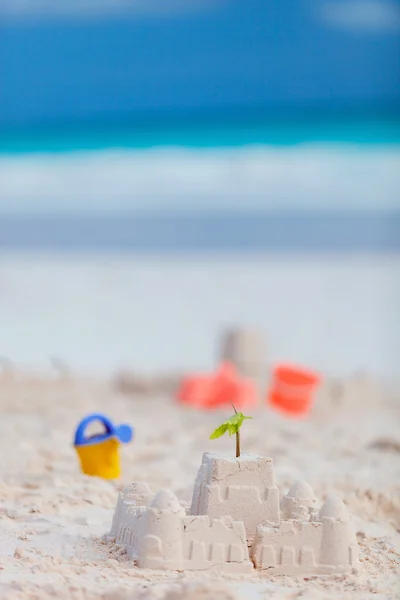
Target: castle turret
{"type": "Point", "coordinates": [161, 547]}
{"type": "Point", "coordinates": [245, 349]}
{"type": "Point", "coordinates": [137, 493]}
{"type": "Point", "coordinates": [243, 488]}
{"type": "Point", "coordinates": [334, 508]}
{"type": "Point", "coordinates": [298, 502]}
{"type": "Point", "coordinates": [339, 544]}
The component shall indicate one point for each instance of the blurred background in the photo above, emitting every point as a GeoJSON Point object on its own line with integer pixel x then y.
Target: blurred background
{"type": "Point", "coordinates": [170, 168]}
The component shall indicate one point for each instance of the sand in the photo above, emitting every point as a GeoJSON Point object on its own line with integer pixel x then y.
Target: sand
{"type": "Point", "coordinates": [53, 518]}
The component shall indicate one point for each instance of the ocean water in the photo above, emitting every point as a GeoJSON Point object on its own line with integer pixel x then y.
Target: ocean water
{"type": "Point", "coordinates": [207, 185]}
{"type": "Point", "coordinates": [207, 129]}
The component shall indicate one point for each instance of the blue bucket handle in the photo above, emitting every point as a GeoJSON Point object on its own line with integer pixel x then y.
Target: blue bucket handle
{"type": "Point", "coordinates": [80, 437]}
{"type": "Point", "coordinates": [123, 432]}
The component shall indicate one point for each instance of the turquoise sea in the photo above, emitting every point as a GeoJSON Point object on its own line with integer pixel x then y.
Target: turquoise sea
{"type": "Point", "coordinates": [206, 131]}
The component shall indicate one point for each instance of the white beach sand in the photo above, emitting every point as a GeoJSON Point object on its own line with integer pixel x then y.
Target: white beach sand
{"type": "Point", "coordinates": [52, 517]}
{"type": "Point", "coordinates": [99, 314]}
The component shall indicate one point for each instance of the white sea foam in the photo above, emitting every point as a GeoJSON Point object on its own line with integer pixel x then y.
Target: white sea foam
{"type": "Point", "coordinates": [298, 177]}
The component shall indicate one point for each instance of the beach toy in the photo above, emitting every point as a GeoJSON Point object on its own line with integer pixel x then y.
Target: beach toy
{"type": "Point", "coordinates": [99, 454]}
{"type": "Point", "coordinates": [217, 390]}
{"type": "Point", "coordinates": [292, 389]}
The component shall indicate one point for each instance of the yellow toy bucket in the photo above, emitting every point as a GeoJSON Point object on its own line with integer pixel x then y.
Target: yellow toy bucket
{"type": "Point", "coordinates": [99, 454]}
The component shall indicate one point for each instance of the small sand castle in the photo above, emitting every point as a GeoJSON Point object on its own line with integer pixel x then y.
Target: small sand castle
{"type": "Point", "coordinates": [235, 524]}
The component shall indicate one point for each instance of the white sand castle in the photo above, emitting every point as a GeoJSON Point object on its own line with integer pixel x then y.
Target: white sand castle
{"type": "Point", "coordinates": [236, 523]}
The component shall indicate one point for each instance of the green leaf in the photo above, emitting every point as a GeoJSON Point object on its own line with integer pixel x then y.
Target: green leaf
{"type": "Point", "coordinates": [232, 428]}
{"type": "Point", "coordinates": [231, 425]}
{"type": "Point", "coordinates": [219, 431]}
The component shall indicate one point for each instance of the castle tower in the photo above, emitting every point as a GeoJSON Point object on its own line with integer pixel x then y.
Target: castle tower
{"type": "Point", "coordinates": [243, 488]}
{"type": "Point", "coordinates": [246, 350]}
{"type": "Point", "coordinates": [161, 547]}
{"type": "Point", "coordinates": [137, 493]}
{"type": "Point", "coordinates": [299, 501]}
{"type": "Point", "coordinates": [339, 544]}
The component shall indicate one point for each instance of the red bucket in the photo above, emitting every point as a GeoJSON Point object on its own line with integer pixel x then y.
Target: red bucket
{"type": "Point", "coordinates": [292, 389]}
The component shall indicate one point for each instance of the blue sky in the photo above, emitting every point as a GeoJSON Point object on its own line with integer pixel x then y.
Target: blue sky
{"type": "Point", "coordinates": [88, 59]}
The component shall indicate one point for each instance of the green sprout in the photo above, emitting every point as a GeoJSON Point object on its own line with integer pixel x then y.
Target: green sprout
{"type": "Point", "coordinates": [232, 426]}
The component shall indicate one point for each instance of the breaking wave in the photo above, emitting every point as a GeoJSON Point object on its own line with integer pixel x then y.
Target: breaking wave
{"type": "Point", "coordinates": [310, 177]}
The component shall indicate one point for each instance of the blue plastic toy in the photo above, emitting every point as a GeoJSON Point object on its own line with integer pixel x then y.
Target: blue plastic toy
{"type": "Point", "coordinates": [99, 454]}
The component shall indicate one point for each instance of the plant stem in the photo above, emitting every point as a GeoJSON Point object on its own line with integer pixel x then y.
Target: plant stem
{"type": "Point", "coordinates": [237, 436]}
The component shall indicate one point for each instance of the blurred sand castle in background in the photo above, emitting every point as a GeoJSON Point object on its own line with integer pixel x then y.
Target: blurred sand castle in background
{"type": "Point", "coordinates": [246, 350]}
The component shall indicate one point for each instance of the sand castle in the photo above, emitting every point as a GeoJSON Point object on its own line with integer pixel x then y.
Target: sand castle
{"type": "Point", "coordinates": [236, 523]}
